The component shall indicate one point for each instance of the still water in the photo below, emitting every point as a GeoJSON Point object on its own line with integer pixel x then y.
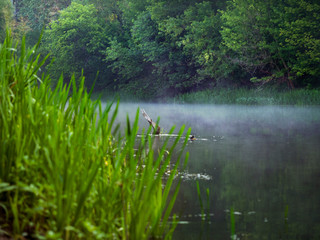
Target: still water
{"type": "Point", "coordinates": [260, 166]}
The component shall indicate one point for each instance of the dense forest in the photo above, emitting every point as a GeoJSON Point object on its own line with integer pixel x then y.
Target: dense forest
{"type": "Point", "coordinates": [153, 48]}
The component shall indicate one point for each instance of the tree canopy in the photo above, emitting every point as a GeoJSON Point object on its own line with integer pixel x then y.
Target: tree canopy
{"type": "Point", "coordinates": [164, 47]}
{"type": "Point", "coordinates": [5, 14]}
{"type": "Point", "coordinates": [75, 41]}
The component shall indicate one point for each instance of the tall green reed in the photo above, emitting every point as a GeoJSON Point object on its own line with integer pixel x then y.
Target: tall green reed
{"type": "Point", "coordinates": [66, 172]}
{"type": "Point", "coordinates": [232, 224]}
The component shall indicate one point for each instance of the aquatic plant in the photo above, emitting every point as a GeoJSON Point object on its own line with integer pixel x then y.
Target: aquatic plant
{"type": "Point", "coordinates": [65, 170]}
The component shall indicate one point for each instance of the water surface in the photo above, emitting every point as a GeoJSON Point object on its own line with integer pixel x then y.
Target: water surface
{"type": "Point", "coordinates": [263, 163]}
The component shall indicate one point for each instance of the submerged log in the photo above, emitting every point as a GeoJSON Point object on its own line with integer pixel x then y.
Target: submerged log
{"type": "Point", "coordinates": [156, 128]}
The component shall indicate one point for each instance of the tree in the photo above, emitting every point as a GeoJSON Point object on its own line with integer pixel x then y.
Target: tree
{"type": "Point", "coordinates": [39, 13]}
{"type": "Point", "coordinates": [75, 41]}
{"type": "Point", "coordinates": [191, 29]}
{"type": "Point", "coordinates": [201, 39]}
{"type": "Point", "coordinates": [274, 40]}
{"type": "Point", "coordinates": [132, 62]}
{"type": "Point", "coordinates": [169, 63]}
{"type": "Point", "coordinates": [252, 31]}
{"type": "Point", "coordinates": [172, 47]}
{"type": "Point", "coordinates": [163, 9]}
{"type": "Point", "coordinates": [5, 17]}
{"type": "Point", "coordinates": [301, 32]}
{"type": "Point", "coordinates": [31, 16]}
{"type": "Point", "coordinates": [146, 62]}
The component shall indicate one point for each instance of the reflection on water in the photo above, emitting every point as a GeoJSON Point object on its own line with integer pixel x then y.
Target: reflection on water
{"type": "Point", "coordinates": [262, 162]}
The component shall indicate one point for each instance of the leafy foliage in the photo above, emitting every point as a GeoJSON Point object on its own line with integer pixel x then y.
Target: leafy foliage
{"type": "Point", "coordinates": [75, 41]}
{"type": "Point", "coordinates": [273, 39]}
{"type": "Point", "coordinates": [5, 15]}
{"type": "Point", "coordinates": [163, 48]}
{"type": "Point", "coordinates": [301, 32]}
{"type": "Point", "coordinates": [39, 13]}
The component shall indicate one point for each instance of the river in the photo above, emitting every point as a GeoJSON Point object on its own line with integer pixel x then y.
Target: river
{"type": "Point", "coordinates": [259, 164]}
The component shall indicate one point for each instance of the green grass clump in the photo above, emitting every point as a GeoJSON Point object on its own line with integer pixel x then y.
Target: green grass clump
{"type": "Point", "coordinates": [65, 171]}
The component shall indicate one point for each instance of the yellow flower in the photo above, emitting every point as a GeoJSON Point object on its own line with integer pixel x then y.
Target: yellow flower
{"type": "Point", "coordinates": [105, 161]}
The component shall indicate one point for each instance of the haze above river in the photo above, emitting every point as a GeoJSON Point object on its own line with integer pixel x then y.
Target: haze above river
{"type": "Point", "coordinates": [262, 162]}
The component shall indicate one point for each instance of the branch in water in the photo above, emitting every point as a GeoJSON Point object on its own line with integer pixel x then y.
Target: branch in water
{"type": "Point", "coordinates": [152, 123]}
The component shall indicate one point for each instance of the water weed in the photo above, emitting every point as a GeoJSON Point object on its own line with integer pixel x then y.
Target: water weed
{"type": "Point", "coordinates": [65, 170]}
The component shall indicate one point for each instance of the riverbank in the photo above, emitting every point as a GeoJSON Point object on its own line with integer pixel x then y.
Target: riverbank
{"type": "Point", "coordinates": [239, 96]}
{"type": "Point", "coordinates": [251, 97]}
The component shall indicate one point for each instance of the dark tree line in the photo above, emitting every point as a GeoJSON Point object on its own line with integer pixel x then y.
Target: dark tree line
{"type": "Point", "coordinates": [159, 47]}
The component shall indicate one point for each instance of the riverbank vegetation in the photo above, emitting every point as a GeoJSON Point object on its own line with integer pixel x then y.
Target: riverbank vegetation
{"type": "Point", "coordinates": [164, 48]}
{"type": "Point", "coordinates": [65, 170]}
{"type": "Point", "coordinates": [242, 96]}
{"type": "Point", "coordinates": [235, 96]}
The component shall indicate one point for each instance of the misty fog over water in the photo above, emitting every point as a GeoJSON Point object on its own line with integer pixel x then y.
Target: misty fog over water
{"type": "Point", "coordinates": [261, 161]}
{"type": "Point", "coordinates": [229, 120]}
